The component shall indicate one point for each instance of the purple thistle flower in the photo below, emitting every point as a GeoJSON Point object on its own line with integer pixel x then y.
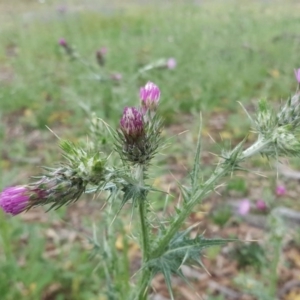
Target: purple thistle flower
{"type": "Point", "coordinates": [171, 63]}
{"type": "Point", "coordinates": [261, 205]}
{"type": "Point", "coordinates": [280, 190]}
{"type": "Point", "coordinates": [14, 200]}
{"type": "Point", "coordinates": [297, 74]}
{"type": "Point", "coordinates": [244, 207]}
{"type": "Point", "coordinates": [149, 95]}
{"type": "Point", "coordinates": [132, 123]}
{"type": "Point", "coordinates": [62, 42]}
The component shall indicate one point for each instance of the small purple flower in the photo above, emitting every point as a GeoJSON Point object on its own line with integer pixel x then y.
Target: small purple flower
{"type": "Point", "coordinates": [297, 74]}
{"type": "Point", "coordinates": [244, 207]}
{"type": "Point", "coordinates": [62, 42]}
{"type": "Point", "coordinates": [103, 50]}
{"type": "Point", "coordinates": [280, 190]}
{"type": "Point", "coordinates": [69, 50]}
{"type": "Point", "coordinates": [132, 123]}
{"type": "Point", "coordinates": [14, 200]}
{"type": "Point", "coordinates": [116, 76]}
{"type": "Point", "coordinates": [261, 205]}
{"type": "Point", "coordinates": [149, 95]}
{"type": "Point", "coordinates": [171, 63]}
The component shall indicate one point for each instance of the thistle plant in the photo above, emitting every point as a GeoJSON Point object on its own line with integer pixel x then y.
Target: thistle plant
{"type": "Point", "coordinates": [166, 244]}
{"type": "Point", "coordinates": [98, 72]}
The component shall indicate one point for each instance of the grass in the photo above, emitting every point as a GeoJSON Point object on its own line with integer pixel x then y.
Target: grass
{"type": "Point", "coordinates": [225, 51]}
{"type": "Point", "coordinates": [245, 53]}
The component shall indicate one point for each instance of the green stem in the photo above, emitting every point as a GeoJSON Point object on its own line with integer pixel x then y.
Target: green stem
{"type": "Point", "coordinates": [143, 285]}
{"type": "Point", "coordinates": [221, 171]}
{"type": "Point", "coordinates": [144, 230]}
{"type": "Point", "coordinates": [255, 148]}
{"type": "Point", "coordinates": [143, 215]}
{"type": "Point", "coordinates": [273, 274]}
{"type": "Point", "coordinates": [146, 275]}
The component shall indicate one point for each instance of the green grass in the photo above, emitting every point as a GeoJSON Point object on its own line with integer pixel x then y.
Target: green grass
{"type": "Point", "coordinates": [29, 271]}
{"type": "Point", "coordinates": [226, 52]}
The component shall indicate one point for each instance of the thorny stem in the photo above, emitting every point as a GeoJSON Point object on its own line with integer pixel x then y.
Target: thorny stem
{"type": "Point", "coordinates": [255, 148]}
{"type": "Point", "coordinates": [221, 170]}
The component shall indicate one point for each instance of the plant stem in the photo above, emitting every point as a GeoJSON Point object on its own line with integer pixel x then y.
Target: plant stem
{"type": "Point", "coordinates": [143, 215]}
{"type": "Point", "coordinates": [143, 285]}
{"type": "Point", "coordinates": [255, 148]}
{"type": "Point", "coordinates": [207, 187]}
{"type": "Point", "coordinates": [145, 277]}
{"type": "Point", "coordinates": [222, 170]}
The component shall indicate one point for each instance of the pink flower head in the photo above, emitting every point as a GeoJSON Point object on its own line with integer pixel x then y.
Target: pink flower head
{"type": "Point", "coordinates": [244, 207]}
{"type": "Point", "coordinates": [261, 205]}
{"type": "Point", "coordinates": [280, 190]}
{"type": "Point", "coordinates": [132, 123]}
{"type": "Point", "coordinates": [63, 42]}
{"type": "Point", "coordinates": [297, 74]}
{"type": "Point", "coordinates": [103, 50]}
{"type": "Point", "coordinates": [14, 200]}
{"type": "Point", "coordinates": [171, 63]}
{"type": "Point", "coordinates": [149, 95]}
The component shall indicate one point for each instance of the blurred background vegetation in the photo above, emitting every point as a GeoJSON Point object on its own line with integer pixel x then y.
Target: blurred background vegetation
{"type": "Point", "coordinates": [226, 51]}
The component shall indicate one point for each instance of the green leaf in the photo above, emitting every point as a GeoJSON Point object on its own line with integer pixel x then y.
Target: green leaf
{"type": "Point", "coordinates": [196, 168]}
{"type": "Point", "coordinates": [134, 192]}
{"type": "Point", "coordinates": [182, 250]}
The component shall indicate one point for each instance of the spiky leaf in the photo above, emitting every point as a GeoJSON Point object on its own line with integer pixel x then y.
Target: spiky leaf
{"type": "Point", "coordinates": [182, 250]}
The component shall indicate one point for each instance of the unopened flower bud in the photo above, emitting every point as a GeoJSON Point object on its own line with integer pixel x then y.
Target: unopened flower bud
{"type": "Point", "coordinates": [261, 205]}
{"type": "Point", "coordinates": [265, 120]}
{"type": "Point", "coordinates": [62, 42]}
{"type": "Point", "coordinates": [285, 141]}
{"type": "Point", "coordinates": [280, 190]}
{"type": "Point", "coordinates": [290, 112]}
{"type": "Point", "coordinates": [58, 187]}
{"type": "Point", "coordinates": [149, 95]}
